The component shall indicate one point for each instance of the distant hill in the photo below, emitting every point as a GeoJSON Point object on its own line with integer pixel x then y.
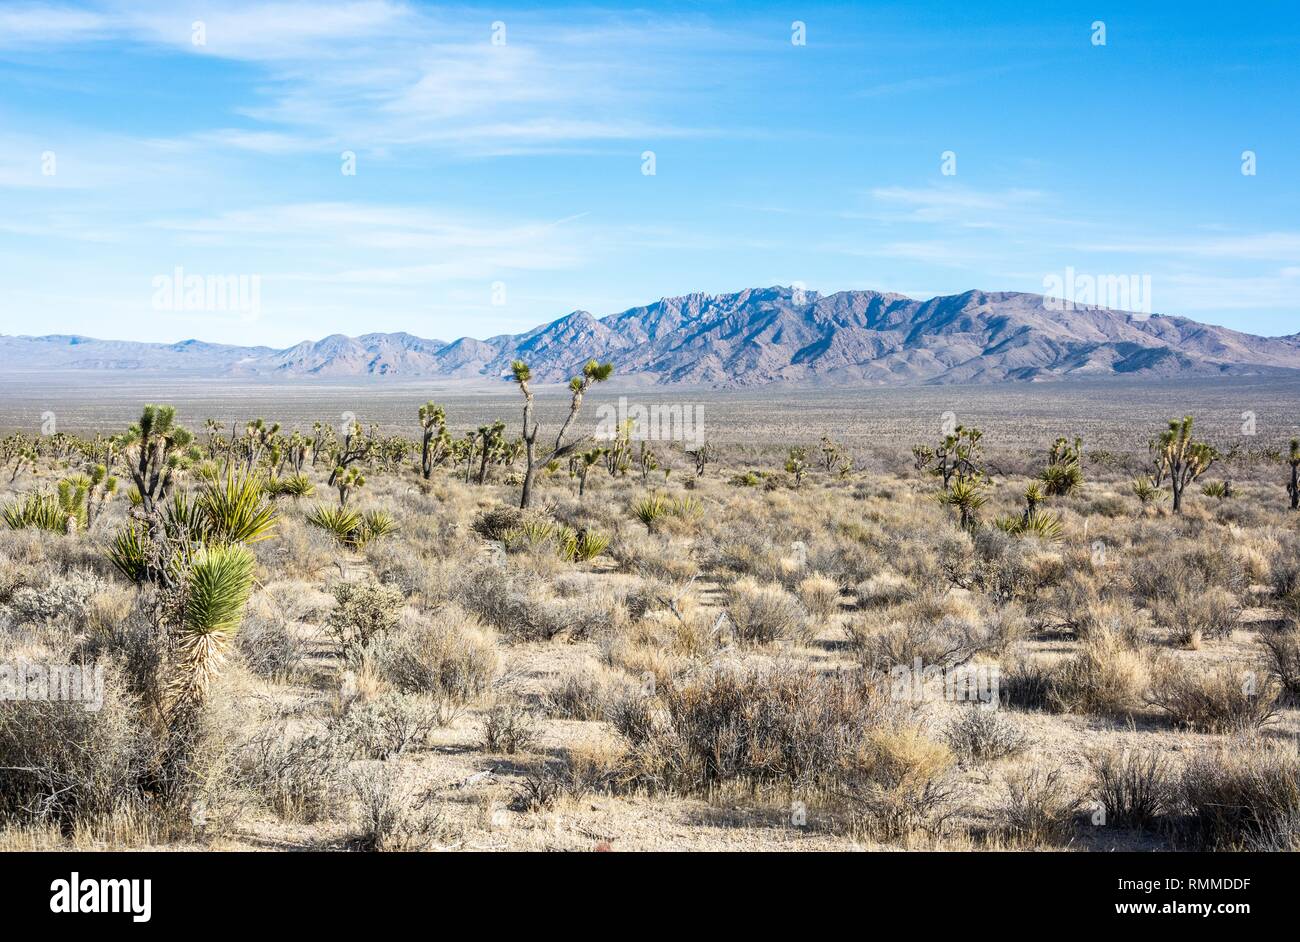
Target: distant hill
{"type": "Point", "coordinates": [750, 338]}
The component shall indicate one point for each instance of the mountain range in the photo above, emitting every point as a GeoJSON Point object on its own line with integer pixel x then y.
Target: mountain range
{"type": "Point", "coordinates": [749, 338]}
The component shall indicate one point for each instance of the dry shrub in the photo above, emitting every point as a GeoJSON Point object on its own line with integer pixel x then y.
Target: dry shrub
{"type": "Point", "coordinates": [944, 642]}
{"type": "Point", "coordinates": [270, 647]}
{"type": "Point", "coordinates": [820, 596]}
{"type": "Point", "coordinates": [586, 693]}
{"type": "Point", "coordinates": [1134, 788]}
{"type": "Point", "coordinates": [364, 610]}
{"type": "Point", "coordinates": [757, 725]}
{"type": "Point", "coordinates": [388, 725]}
{"type": "Point", "coordinates": [449, 656]}
{"type": "Point", "coordinates": [1223, 700]}
{"type": "Point", "coordinates": [1196, 616]}
{"type": "Point", "coordinates": [897, 782]}
{"type": "Point", "coordinates": [1243, 798]}
{"type": "Point", "coordinates": [510, 727]}
{"type": "Point", "coordinates": [884, 589]}
{"type": "Point", "coordinates": [390, 815]}
{"type": "Point", "coordinates": [1282, 657]}
{"type": "Point", "coordinates": [1107, 678]}
{"type": "Point", "coordinates": [1038, 810]}
{"type": "Point", "coordinates": [984, 735]}
{"type": "Point", "coordinates": [764, 613]}
{"type": "Point", "coordinates": [1026, 685]}
{"type": "Point", "coordinates": [298, 777]}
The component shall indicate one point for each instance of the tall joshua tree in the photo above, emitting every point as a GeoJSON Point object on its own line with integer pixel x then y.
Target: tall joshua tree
{"type": "Point", "coordinates": [1293, 488]}
{"type": "Point", "coordinates": [158, 449]}
{"type": "Point", "coordinates": [592, 372]}
{"type": "Point", "coordinates": [436, 442]}
{"type": "Point", "coordinates": [1182, 457]}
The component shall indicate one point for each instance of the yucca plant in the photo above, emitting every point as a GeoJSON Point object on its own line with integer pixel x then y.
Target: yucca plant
{"type": "Point", "coordinates": [1216, 489]}
{"type": "Point", "coordinates": [127, 553]}
{"type": "Point", "coordinates": [581, 546]}
{"type": "Point", "coordinates": [529, 533]}
{"type": "Point", "coordinates": [967, 497]}
{"type": "Point", "coordinates": [687, 507]}
{"type": "Point", "coordinates": [340, 522]}
{"type": "Point", "coordinates": [1144, 489]}
{"type": "Point", "coordinates": [375, 524]}
{"type": "Point", "coordinates": [292, 485]}
{"type": "Point", "coordinates": [650, 509]}
{"type": "Point", "coordinates": [234, 510]}
{"type": "Point", "coordinates": [36, 511]}
{"type": "Point", "coordinates": [218, 582]}
{"type": "Point", "coordinates": [1039, 523]}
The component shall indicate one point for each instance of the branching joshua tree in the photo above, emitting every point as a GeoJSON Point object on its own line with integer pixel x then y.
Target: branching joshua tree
{"type": "Point", "coordinates": [156, 449]}
{"type": "Point", "coordinates": [435, 444]}
{"type": "Point", "coordinates": [580, 466]}
{"type": "Point", "coordinates": [702, 456]}
{"type": "Point", "coordinates": [346, 480]}
{"type": "Point", "coordinates": [1293, 487]}
{"type": "Point", "coordinates": [796, 463]}
{"type": "Point", "coordinates": [1064, 472]}
{"type": "Point", "coordinates": [592, 372]}
{"type": "Point", "coordinates": [957, 457]}
{"type": "Point", "coordinates": [492, 447]}
{"type": "Point", "coordinates": [1182, 458]}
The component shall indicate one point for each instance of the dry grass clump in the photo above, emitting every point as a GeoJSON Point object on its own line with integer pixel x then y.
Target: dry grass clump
{"type": "Point", "coordinates": [449, 656]}
{"type": "Point", "coordinates": [883, 589]}
{"type": "Point", "coordinates": [1108, 677]}
{"type": "Point", "coordinates": [270, 647]}
{"type": "Point", "coordinates": [1282, 659]}
{"type": "Point", "coordinates": [510, 727]}
{"type": "Point", "coordinates": [984, 735]}
{"type": "Point", "coordinates": [1224, 700]}
{"type": "Point", "coordinates": [764, 613]}
{"type": "Point", "coordinates": [1039, 810]}
{"type": "Point", "coordinates": [390, 815]}
{"type": "Point", "coordinates": [897, 783]}
{"type": "Point", "coordinates": [820, 596]}
{"type": "Point", "coordinates": [1133, 788]}
{"type": "Point", "coordinates": [756, 725]}
{"type": "Point", "coordinates": [1246, 797]}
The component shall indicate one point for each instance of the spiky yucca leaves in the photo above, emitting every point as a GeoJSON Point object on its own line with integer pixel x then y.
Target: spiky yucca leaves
{"type": "Point", "coordinates": [1216, 489]}
{"type": "Point", "coordinates": [234, 510]}
{"type": "Point", "coordinates": [293, 485]}
{"type": "Point", "coordinates": [350, 528]}
{"type": "Point", "coordinates": [1039, 523]}
{"type": "Point", "coordinates": [38, 511]}
{"type": "Point", "coordinates": [967, 497]}
{"type": "Point", "coordinates": [217, 586]}
{"type": "Point", "coordinates": [1144, 489]}
{"type": "Point", "coordinates": [580, 546]}
{"type": "Point", "coordinates": [650, 509]}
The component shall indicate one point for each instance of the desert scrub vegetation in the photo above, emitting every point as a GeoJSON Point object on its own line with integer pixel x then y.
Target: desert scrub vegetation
{"type": "Point", "coordinates": [408, 653]}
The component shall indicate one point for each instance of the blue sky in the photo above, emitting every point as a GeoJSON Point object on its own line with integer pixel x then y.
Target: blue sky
{"type": "Point", "coordinates": [500, 184]}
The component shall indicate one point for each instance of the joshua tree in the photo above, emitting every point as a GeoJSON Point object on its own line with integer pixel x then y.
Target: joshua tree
{"type": "Point", "coordinates": [346, 480]}
{"type": "Point", "coordinates": [796, 463]}
{"type": "Point", "coordinates": [967, 498]}
{"type": "Point", "coordinates": [258, 437]}
{"type": "Point", "coordinates": [702, 456]}
{"type": "Point", "coordinates": [580, 466]}
{"type": "Point", "coordinates": [647, 461]}
{"type": "Point", "coordinates": [957, 456]}
{"type": "Point", "coordinates": [492, 439]}
{"type": "Point", "coordinates": [436, 441]}
{"type": "Point", "coordinates": [832, 453]}
{"type": "Point", "coordinates": [356, 446]}
{"type": "Point", "coordinates": [618, 456]}
{"type": "Point", "coordinates": [1182, 457]}
{"type": "Point", "coordinates": [1063, 472]}
{"type": "Point", "coordinates": [1293, 488]}
{"type": "Point", "coordinates": [158, 448]}
{"type": "Point", "coordinates": [592, 372]}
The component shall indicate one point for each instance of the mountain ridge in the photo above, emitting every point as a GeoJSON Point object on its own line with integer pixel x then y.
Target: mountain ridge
{"type": "Point", "coordinates": [752, 337]}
